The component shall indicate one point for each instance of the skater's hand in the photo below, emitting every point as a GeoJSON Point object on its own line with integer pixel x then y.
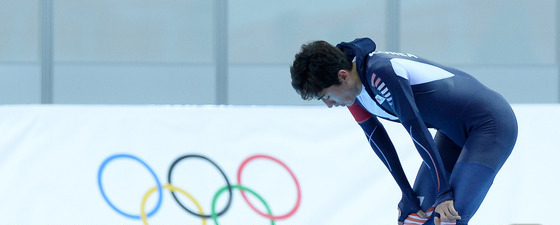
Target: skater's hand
{"type": "Point", "coordinates": [447, 213]}
{"type": "Point", "coordinates": [420, 214]}
{"type": "Point", "coordinates": [409, 206]}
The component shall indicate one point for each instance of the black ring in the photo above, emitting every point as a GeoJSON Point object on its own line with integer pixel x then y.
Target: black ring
{"type": "Point", "coordinates": [221, 171]}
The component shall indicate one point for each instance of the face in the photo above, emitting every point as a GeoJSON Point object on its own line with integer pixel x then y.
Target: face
{"type": "Point", "coordinates": [340, 95]}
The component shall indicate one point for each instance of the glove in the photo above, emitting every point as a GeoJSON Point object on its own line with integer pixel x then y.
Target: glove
{"type": "Point", "coordinates": [418, 218]}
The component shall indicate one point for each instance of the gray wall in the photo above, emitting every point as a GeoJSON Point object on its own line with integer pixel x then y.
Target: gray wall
{"type": "Point", "coordinates": [239, 51]}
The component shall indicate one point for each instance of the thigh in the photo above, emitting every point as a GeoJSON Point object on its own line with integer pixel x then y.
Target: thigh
{"type": "Point", "coordinates": [424, 186]}
{"type": "Point", "coordinates": [482, 156]}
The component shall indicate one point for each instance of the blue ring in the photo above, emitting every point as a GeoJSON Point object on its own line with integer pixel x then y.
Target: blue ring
{"type": "Point", "coordinates": [107, 199]}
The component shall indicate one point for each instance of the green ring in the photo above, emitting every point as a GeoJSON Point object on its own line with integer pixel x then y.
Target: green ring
{"type": "Point", "coordinates": [215, 199]}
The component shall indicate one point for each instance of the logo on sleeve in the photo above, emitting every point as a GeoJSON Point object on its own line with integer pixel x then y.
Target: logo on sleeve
{"type": "Point", "coordinates": [380, 99]}
{"type": "Point", "coordinates": [384, 93]}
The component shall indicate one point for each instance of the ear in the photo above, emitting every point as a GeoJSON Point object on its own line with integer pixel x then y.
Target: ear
{"type": "Point", "coordinates": [343, 75]}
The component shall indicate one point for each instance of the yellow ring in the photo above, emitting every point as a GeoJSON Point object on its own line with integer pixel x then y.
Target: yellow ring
{"type": "Point", "coordinates": [171, 188]}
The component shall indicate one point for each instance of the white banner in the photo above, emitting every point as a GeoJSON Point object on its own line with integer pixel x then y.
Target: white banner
{"type": "Point", "coordinates": [93, 165]}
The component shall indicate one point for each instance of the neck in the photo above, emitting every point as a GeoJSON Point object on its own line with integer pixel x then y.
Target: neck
{"type": "Point", "coordinates": [356, 78]}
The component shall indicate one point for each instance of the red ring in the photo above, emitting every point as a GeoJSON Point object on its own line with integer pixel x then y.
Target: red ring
{"type": "Point", "coordinates": [293, 211]}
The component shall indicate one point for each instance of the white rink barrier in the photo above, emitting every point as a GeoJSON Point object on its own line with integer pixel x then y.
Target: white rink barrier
{"type": "Point", "coordinates": [51, 156]}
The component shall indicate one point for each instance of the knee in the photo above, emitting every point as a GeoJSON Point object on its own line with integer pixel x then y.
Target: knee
{"type": "Point", "coordinates": [470, 183]}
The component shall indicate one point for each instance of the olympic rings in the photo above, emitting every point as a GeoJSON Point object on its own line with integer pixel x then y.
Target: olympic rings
{"type": "Point", "coordinates": [172, 188]}
{"type": "Point", "coordinates": [213, 163]}
{"type": "Point", "coordinates": [158, 184]}
{"type": "Point", "coordinates": [293, 177]}
{"type": "Point", "coordinates": [215, 217]}
{"type": "Point", "coordinates": [143, 216]}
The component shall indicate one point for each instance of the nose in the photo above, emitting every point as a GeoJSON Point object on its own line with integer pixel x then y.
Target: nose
{"type": "Point", "coordinates": [329, 103]}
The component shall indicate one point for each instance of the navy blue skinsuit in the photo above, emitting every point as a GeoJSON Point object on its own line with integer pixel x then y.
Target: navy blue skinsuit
{"type": "Point", "coordinates": [476, 127]}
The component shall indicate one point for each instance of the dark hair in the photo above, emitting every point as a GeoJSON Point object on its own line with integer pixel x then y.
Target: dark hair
{"type": "Point", "coordinates": [316, 67]}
